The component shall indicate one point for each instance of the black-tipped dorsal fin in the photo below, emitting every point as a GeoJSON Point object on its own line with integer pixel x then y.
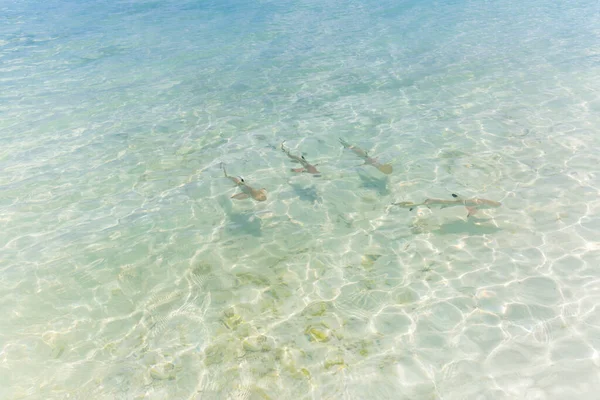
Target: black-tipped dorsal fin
{"type": "Point", "coordinates": [455, 196]}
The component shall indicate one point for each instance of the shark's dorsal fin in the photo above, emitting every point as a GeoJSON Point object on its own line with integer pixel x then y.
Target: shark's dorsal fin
{"type": "Point", "coordinates": [456, 196]}
{"type": "Point", "coordinates": [242, 179]}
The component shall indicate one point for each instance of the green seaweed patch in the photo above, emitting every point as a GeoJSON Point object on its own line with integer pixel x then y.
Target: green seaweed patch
{"type": "Point", "coordinates": [405, 296]}
{"type": "Point", "coordinates": [369, 284]}
{"type": "Point", "coordinates": [287, 357]}
{"type": "Point", "coordinates": [279, 292]}
{"type": "Point", "coordinates": [202, 268]}
{"type": "Point", "coordinates": [316, 309]}
{"type": "Point", "coordinates": [317, 334]}
{"type": "Point", "coordinates": [230, 319]}
{"type": "Point", "coordinates": [335, 362]}
{"type": "Point", "coordinates": [58, 350]}
{"type": "Point", "coordinates": [339, 335]}
{"type": "Point", "coordinates": [244, 330]}
{"type": "Point", "coordinates": [257, 344]}
{"type": "Point", "coordinates": [245, 278]}
{"type": "Point", "coordinates": [163, 372]}
{"type": "Point", "coordinates": [221, 353]}
{"type": "Point", "coordinates": [298, 374]}
{"type": "Point", "coordinates": [258, 393]}
{"type": "Point", "coordinates": [269, 305]}
{"type": "Point", "coordinates": [369, 259]}
{"type": "Point", "coordinates": [213, 355]}
{"type": "Point", "coordinates": [363, 349]}
{"type": "Point", "coordinates": [301, 374]}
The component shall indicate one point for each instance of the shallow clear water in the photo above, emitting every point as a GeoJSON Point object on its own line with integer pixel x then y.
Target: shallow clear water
{"type": "Point", "coordinates": [127, 272]}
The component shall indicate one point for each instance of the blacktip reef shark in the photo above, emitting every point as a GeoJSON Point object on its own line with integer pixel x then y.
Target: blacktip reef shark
{"type": "Point", "coordinates": [246, 190]}
{"type": "Point", "coordinates": [306, 166]}
{"type": "Point", "coordinates": [385, 168]}
{"type": "Point", "coordinates": [472, 205]}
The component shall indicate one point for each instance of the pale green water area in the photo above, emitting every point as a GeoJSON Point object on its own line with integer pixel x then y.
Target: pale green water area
{"type": "Point", "coordinates": [128, 272]}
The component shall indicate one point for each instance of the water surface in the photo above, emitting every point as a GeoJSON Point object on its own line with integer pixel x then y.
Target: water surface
{"type": "Point", "coordinates": [127, 272]}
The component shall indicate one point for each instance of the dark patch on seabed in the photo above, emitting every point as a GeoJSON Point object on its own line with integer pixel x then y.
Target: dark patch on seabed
{"type": "Point", "coordinates": [470, 227]}
{"type": "Point", "coordinates": [380, 185]}
{"type": "Point", "coordinates": [244, 223]}
{"type": "Point", "coordinates": [241, 222]}
{"type": "Point", "coordinates": [308, 193]}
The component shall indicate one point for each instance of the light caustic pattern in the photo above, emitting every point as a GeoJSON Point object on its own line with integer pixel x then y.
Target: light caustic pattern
{"type": "Point", "coordinates": [127, 272]}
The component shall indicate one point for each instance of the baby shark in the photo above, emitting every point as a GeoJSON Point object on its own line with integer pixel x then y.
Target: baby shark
{"type": "Point", "coordinates": [385, 168]}
{"type": "Point", "coordinates": [472, 205]}
{"type": "Point", "coordinates": [246, 190]}
{"type": "Point", "coordinates": [306, 166]}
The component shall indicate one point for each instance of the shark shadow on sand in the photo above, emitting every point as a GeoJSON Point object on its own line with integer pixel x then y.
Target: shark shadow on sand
{"type": "Point", "coordinates": [380, 185]}
{"type": "Point", "coordinates": [241, 223]}
{"type": "Point", "coordinates": [308, 193]}
{"type": "Point", "coordinates": [471, 227]}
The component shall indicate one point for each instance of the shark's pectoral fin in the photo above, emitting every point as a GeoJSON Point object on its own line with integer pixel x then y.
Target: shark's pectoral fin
{"type": "Point", "coordinates": [240, 196]}
{"type": "Point", "coordinates": [471, 211]}
{"type": "Point", "coordinates": [298, 169]}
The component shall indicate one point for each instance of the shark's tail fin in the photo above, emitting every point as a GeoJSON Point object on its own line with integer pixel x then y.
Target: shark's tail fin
{"type": "Point", "coordinates": [344, 143]}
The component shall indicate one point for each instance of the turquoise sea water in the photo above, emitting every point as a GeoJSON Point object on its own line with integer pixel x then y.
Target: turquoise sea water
{"type": "Point", "coordinates": [127, 272]}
